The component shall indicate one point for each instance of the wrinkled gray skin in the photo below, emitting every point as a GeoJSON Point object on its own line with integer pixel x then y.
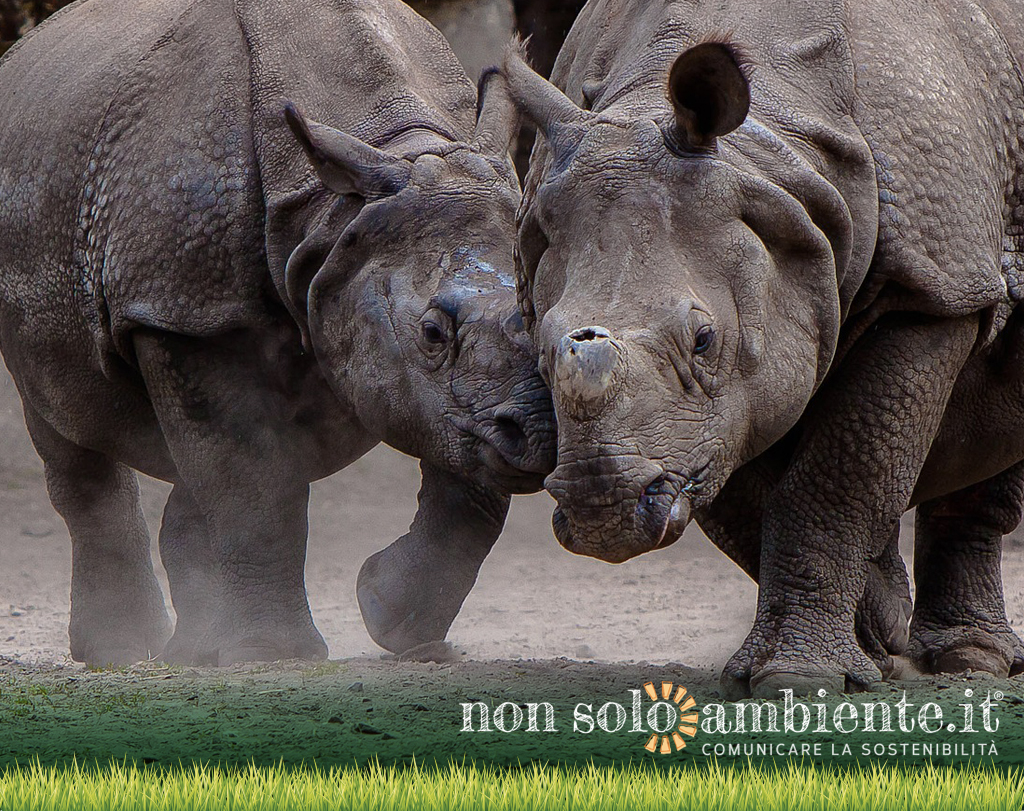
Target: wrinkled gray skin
{"type": "Point", "coordinates": [773, 277]}
{"type": "Point", "coordinates": [199, 282]}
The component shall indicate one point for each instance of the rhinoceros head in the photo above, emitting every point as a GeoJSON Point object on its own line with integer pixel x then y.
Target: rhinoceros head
{"type": "Point", "coordinates": [412, 313]}
{"type": "Point", "coordinates": [684, 307]}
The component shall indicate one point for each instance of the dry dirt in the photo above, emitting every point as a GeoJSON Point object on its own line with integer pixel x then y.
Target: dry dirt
{"type": "Point", "coordinates": [533, 599]}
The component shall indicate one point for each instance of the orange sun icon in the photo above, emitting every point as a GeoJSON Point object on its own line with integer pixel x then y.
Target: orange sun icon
{"type": "Point", "coordinates": [687, 720]}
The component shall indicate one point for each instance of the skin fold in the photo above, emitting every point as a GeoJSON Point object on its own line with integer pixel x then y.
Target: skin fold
{"type": "Point", "coordinates": [771, 260]}
{"type": "Point", "coordinates": [242, 243]}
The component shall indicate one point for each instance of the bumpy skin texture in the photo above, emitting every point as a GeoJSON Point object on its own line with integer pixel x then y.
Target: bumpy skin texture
{"type": "Point", "coordinates": [734, 523]}
{"type": "Point", "coordinates": [771, 257]}
{"type": "Point", "coordinates": [202, 284]}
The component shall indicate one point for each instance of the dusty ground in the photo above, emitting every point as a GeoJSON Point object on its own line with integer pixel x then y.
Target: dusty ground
{"type": "Point", "coordinates": [533, 599]}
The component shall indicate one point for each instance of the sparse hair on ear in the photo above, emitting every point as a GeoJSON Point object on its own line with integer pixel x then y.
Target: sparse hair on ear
{"type": "Point", "coordinates": [519, 47]}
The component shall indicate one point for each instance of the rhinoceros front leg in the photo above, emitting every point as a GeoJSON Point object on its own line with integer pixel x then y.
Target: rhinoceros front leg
{"type": "Point", "coordinates": [960, 620]}
{"type": "Point", "coordinates": [411, 592]}
{"type": "Point", "coordinates": [117, 609]}
{"type": "Point", "coordinates": [734, 523]}
{"type": "Point", "coordinates": [241, 459]}
{"type": "Point", "coordinates": [864, 441]}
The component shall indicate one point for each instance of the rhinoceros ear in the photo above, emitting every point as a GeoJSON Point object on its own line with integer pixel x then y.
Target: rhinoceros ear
{"type": "Point", "coordinates": [497, 119]}
{"type": "Point", "coordinates": [345, 164]}
{"type": "Point", "coordinates": [709, 92]}
{"type": "Point", "coordinates": [556, 115]}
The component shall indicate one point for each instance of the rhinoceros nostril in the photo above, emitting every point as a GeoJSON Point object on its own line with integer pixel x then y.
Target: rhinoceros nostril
{"type": "Point", "coordinates": [511, 434]}
{"type": "Point", "coordinates": [589, 334]}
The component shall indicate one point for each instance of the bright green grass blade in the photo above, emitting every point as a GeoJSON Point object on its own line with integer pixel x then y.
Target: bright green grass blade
{"type": "Point", "coordinates": [122, 785]}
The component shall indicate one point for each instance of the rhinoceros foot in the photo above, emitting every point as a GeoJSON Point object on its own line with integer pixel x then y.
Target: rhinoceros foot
{"type": "Point", "coordinates": [272, 648]}
{"type": "Point", "coordinates": [399, 616]}
{"type": "Point", "coordinates": [958, 649]}
{"type": "Point", "coordinates": [188, 649]}
{"type": "Point", "coordinates": [763, 667]}
{"type": "Point", "coordinates": [120, 628]}
{"type": "Point", "coordinates": [408, 601]}
{"type": "Point", "coordinates": [119, 651]}
{"type": "Point", "coordinates": [220, 646]}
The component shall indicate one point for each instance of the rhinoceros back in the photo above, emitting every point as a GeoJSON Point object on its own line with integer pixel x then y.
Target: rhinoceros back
{"type": "Point", "coordinates": [372, 68]}
{"type": "Point", "coordinates": [128, 149]}
{"type": "Point", "coordinates": [939, 101]}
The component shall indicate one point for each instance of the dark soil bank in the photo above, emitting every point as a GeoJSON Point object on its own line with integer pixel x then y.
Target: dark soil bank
{"type": "Point", "coordinates": [356, 710]}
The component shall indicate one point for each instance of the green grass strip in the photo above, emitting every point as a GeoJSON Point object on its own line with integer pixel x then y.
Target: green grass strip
{"type": "Point", "coordinates": [126, 786]}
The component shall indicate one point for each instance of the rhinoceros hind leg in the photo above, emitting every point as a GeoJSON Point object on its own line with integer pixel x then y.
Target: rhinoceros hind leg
{"type": "Point", "coordinates": [959, 620]}
{"type": "Point", "coordinates": [118, 615]}
{"type": "Point", "coordinates": [192, 575]}
{"type": "Point", "coordinates": [884, 611]}
{"type": "Point", "coordinates": [411, 592]}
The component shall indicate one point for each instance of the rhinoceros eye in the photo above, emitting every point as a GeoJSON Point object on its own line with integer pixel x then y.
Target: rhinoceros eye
{"type": "Point", "coordinates": [703, 340]}
{"type": "Point", "coordinates": [434, 334]}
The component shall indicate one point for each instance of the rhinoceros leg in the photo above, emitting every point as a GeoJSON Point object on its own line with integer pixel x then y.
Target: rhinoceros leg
{"type": "Point", "coordinates": [117, 609]}
{"type": "Point", "coordinates": [411, 592]}
{"type": "Point", "coordinates": [237, 453]}
{"type": "Point", "coordinates": [734, 524]}
{"type": "Point", "coordinates": [883, 614]}
{"type": "Point", "coordinates": [959, 618]}
{"type": "Point", "coordinates": [187, 555]}
{"type": "Point", "coordinates": [865, 440]}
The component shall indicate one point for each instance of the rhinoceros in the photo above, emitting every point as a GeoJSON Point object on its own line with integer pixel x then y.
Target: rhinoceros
{"type": "Point", "coordinates": [771, 255]}
{"type": "Point", "coordinates": [241, 243]}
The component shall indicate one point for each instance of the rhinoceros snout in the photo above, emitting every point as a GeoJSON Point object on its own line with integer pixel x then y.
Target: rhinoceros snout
{"type": "Point", "coordinates": [518, 440]}
{"type": "Point", "coordinates": [523, 440]}
{"type": "Point", "coordinates": [587, 370]}
{"type": "Point", "coordinates": [594, 518]}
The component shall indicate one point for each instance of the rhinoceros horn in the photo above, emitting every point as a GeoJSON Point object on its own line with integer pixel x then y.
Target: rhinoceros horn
{"type": "Point", "coordinates": [345, 164]}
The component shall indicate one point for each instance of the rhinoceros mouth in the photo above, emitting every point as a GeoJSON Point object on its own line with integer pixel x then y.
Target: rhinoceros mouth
{"type": "Point", "coordinates": [617, 531]}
